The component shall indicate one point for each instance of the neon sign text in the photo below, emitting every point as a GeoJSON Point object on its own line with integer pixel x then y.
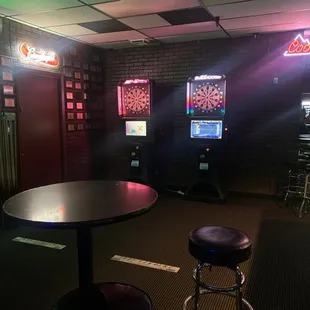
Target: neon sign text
{"type": "Point", "coordinates": [136, 81]}
{"type": "Point", "coordinates": [208, 77]}
{"type": "Point", "coordinates": [39, 56]}
{"type": "Point", "coordinates": [298, 47]}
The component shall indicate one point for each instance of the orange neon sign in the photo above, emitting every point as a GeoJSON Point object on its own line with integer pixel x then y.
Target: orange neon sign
{"type": "Point", "coordinates": [32, 54]}
{"type": "Point", "coordinates": [298, 47]}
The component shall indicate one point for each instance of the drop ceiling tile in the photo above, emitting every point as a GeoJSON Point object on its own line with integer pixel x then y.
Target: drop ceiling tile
{"type": "Point", "coordinates": [193, 37]}
{"type": "Point", "coordinates": [126, 8]}
{"type": "Point", "coordinates": [260, 7]}
{"type": "Point", "coordinates": [180, 29]}
{"type": "Point", "coordinates": [111, 37]}
{"type": "Point", "coordinates": [63, 17]}
{"type": "Point", "coordinates": [186, 16]}
{"type": "Point", "coordinates": [71, 30]}
{"type": "Point", "coordinates": [13, 7]}
{"type": "Point", "coordinates": [98, 1]}
{"type": "Point", "coordinates": [144, 21]}
{"type": "Point", "coordinates": [267, 20]}
{"type": "Point", "coordinates": [104, 26]}
{"type": "Point", "coordinates": [221, 2]}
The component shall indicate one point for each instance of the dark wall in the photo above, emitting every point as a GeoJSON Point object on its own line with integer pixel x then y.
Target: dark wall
{"type": "Point", "coordinates": [263, 117]}
{"type": "Point", "coordinates": [81, 149]}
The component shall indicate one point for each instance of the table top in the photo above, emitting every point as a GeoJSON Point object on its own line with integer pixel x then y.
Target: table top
{"type": "Point", "coordinates": [75, 204]}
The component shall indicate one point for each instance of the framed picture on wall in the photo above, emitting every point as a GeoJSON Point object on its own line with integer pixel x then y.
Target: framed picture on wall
{"type": "Point", "coordinates": [88, 126]}
{"type": "Point", "coordinates": [86, 77]}
{"type": "Point", "coordinates": [69, 105]}
{"type": "Point", "coordinates": [70, 115]}
{"type": "Point", "coordinates": [93, 68]}
{"type": "Point", "coordinates": [85, 66]}
{"type": "Point", "coordinates": [68, 73]}
{"type": "Point", "coordinates": [8, 90]}
{"type": "Point", "coordinates": [69, 95]}
{"type": "Point", "coordinates": [67, 61]}
{"type": "Point", "coordinates": [79, 105]}
{"type": "Point", "coordinates": [77, 64]}
{"type": "Point", "coordinates": [72, 50]}
{"type": "Point", "coordinates": [71, 127]}
{"type": "Point", "coordinates": [6, 61]}
{"type": "Point", "coordinates": [80, 126]}
{"type": "Point", "coordinates": [78, 85]}
{"type": "Point", "coordinates": [7, 76]}
{"type": "Point", "coordinates": [85, 96]}
{"type": "Point", "coordinates": [9, 102]}
{"type": "Point", "coordinates": [86, 86]}
{"type": "Point", "coordinates": [99, 69]}
{"type": "Point", "coordinates": [69, 84]}
{"type": "Point", "coordinates": [77, 75]}
{"type": "Point", "coordinates": [80, 115]}
{"type": "Point", "coordinates": [87, 116]}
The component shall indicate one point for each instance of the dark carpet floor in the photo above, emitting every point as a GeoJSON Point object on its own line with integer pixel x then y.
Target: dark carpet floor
{"type": "Point", "coordinates": [278, 275]}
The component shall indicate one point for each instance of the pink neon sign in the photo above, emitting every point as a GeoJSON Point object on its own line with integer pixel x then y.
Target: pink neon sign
{"type": "Point", "coordinates": [298, 47]}
{"type": "Point", "coordinates": [136, 81]}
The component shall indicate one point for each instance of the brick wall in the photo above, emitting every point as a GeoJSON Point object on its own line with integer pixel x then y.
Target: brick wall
{"type": "Point", "coordinates": [262, 116]}
{"type": "Point", "coordinates": [81, 149]}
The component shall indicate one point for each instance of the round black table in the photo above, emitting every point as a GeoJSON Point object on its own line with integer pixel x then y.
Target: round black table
{"type": "Point", "coordinates": [82, 205]}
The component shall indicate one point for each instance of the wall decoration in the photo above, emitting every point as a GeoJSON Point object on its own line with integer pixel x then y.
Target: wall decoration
{"type": "Point", "coordinates": [78, 85]}
{"type": "Point", "coordinates": [86, 77]}
{"type": "Point", "coordinates": [69, 95]}
{"type": "Point", "coordinates": [8, 90]}
{"type": "Point", "coordinates": [93, 68]}
{"type": "Point", "coordinates": [99, 69]}
{"type": "Point", "coordinates": [80, 126]}
{"type": "Point", "coordinates": [80, 115]}
{"type": "Point", "coordinates": [77, 75]}
{"type": "Point", "coordinates": [69, 105]}
{"type": "Point", "coordinates": [6, 61]}
{"type": "Point", "coordinates": [87, 115]}
{"type": "Point", "coordinates": [298, 47]}
{"type": "Point", "coordinates": [79, 105]}
{"type": "Point", "coordinates": [85, 96]}
{"type": "Point", "coordinates": [77, 64]}
{"type": "Point", "coordinates": [39, 56]}
{"type": "Point", "coordinates": [69, 84]}
{"type": "Point", "coordinates": [85, 66]}
{"type": "Point", "coordinates": [71, 127]}
{"type": "Point", "coordinates": [70, 115]}
{"type": "Point", "coordinates": [86, 86]}
{"type": "Point", "coordinates": [7, 76]}
{"type": "Point", "coordinates": [72, 50]}
{"type": "Point", "coordinates": [68, 73]}
{"type": "Point", "coordinates": [9, 102]}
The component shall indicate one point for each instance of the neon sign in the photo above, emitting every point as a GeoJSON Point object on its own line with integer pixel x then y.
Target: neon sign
{"type": "Point", "coordinates": [208, 77]}
{"type": "Point", "coordinates": [38, 56]}
{"type": "Point", "coordinates": [298, 47]}
{"type": "Point", "coordinates": [136, 81]}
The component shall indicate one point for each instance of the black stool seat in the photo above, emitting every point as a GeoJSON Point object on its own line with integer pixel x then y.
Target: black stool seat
{"type": "Point", "coordinates": [105, 296]}
{"type": "Point", "coordinates": [219, 246]}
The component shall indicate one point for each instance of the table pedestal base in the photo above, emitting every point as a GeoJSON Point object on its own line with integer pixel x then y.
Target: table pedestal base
{"type": "Point", "coordinates": [105, 296]}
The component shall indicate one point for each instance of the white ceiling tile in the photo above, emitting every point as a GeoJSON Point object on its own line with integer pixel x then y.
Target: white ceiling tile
{"type": "Point", "coordinates": [116, 45]}
{"type": "Point", "coordinates": [180, 29]}
{"type": "Point", "coordinates": [13, 7]}
{"type": "Point", "coordinates": [258, 7]}
{"type": "Point", "coordinates": [126, 8]}
{"type": "Point", "coordinates": [193, 37]}
{"type": "Point", "coordinates": [299, 17]}
{"type": "Point", "coordinates": [144, 21]}
{"type": "Point", "coordinates": [63, 17]}
{"type": "Point", "coordinates": [221, 2]}
{"type": "Point", "coordinates": [111, 37]}
{"type": "Point", "coordinates": [71, 30]}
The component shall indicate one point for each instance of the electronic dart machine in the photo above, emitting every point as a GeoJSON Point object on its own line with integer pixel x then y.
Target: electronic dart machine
{"type": "Point", "coordinates": [134, 107]}
{"type": "Point", "coordinates": [206, 96]}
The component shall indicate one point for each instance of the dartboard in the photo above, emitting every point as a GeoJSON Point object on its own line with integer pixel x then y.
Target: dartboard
{"type": "Point", "coordinates": [136, 99]}
{"type": "Point", "coordinates": [208, 97]}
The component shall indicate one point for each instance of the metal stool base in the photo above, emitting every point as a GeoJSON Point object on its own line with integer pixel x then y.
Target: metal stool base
{"type": "Point", "coordinates": [232, 291]}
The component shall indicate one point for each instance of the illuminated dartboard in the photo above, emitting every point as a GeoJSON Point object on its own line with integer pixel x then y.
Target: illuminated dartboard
{"type": "Point", "coordinates": [136, 99]}
{"type": "Point", "coordinates": [208, 97]}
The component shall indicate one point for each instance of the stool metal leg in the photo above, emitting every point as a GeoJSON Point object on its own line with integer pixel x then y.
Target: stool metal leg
{"type": "Point", "coordinates": [238, 289]}
{"type": "Point", "coordinates": [197, 288]}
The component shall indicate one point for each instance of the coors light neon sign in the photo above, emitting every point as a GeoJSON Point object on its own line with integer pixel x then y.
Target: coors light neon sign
{"type": "Point", "coordinates": [32, 54]}
{"type": "Point", "coordinates": [298, 47]}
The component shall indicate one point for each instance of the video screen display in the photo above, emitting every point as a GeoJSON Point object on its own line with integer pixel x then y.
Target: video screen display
{"type": "Point", "coordinates": [206, 129]}
{"type": "Point", "coordinates": [136, 128]}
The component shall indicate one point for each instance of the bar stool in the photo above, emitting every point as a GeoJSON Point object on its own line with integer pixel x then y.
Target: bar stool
{"type": "Point", "coordinates": [306, 198]}
{"type": "Point", "coordinates": [219, 246]}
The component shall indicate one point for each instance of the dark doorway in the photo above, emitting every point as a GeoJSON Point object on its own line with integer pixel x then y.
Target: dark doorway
{"type": "Point", "coordinates": [39, 130]}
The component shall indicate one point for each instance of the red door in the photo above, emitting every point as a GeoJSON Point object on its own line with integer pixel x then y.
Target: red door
{"type": "Point", "coordinates": [39, 130]}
